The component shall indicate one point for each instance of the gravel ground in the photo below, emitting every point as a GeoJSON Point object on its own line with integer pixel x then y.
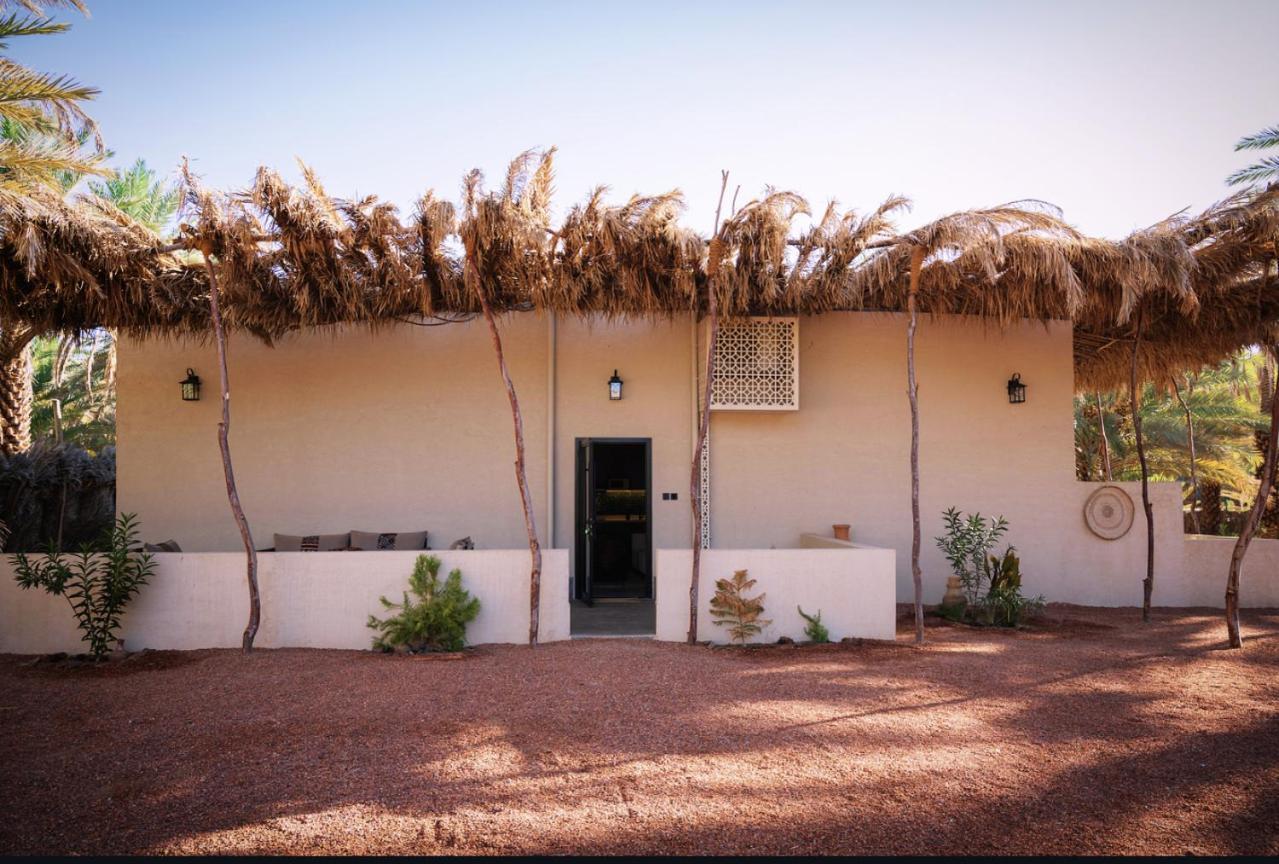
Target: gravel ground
{"type": "Point", "coordinates": [1087, 734]}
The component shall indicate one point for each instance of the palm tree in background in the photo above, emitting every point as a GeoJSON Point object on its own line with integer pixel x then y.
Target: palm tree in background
{"type": "Point", "coordinates": [1265, 169]}
{"type": "Point", "coordinates": [45, 131]}
{"type": "Point", "coordinates": [45, 126]}
{"type": "Point", "coordinates": [1224, 403]}
{"type": "Point", "coordinates": [74, 375]}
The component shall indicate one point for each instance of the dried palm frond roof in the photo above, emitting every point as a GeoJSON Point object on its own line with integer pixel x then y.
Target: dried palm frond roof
{"type": "Point", "coordinates": [292, 256]}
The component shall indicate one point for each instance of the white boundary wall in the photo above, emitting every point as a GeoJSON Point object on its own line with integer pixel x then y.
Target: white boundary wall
{"type": "Point", "coordinates": [1206, 563]}
{"type": "Point", "coordinates": [309, 600]}
{"type": "Point", "coordinates": [855, 589]}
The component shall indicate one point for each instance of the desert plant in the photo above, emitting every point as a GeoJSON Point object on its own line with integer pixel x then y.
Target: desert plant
{"type": "Point", "coordinates": [967, 545]}
{"type": "Point", "coordinates": [1004, 604]}
{"type": "Point", "coordinates": [436, 621]}
{"type": "Point", "coordinates": [731, 608]}
{"type": "Point", "coordinates": [815, 630]}
{"type": "Point", "coordinates": [98, 586]}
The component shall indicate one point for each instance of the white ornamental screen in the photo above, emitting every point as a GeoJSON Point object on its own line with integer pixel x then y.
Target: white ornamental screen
{"type": "Point", "coordinates": [757, 365]}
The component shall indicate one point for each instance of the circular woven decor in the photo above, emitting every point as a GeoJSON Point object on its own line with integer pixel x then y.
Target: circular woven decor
{"type": "Point", "coordinates": [1108, 512]}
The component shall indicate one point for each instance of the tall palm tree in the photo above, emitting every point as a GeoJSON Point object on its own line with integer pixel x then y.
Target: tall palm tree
{"type": "Point", "coordinates": [141, 194]}
{"type": "Point", "coordinates": [1265, 169]}
{"type": "Point", "coordinates": [47, 129]}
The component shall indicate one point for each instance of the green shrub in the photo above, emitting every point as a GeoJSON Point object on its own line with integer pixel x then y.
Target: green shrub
{"type": "Point", "coordinates": [98, 585]}
{"type": "Point", "coordinates": [436, 621]}
{"type": "Point", "coordinates": [731, 608]}
{"type": "Point", "coordinates": [815, 630]}
{"type": "Point", "coordinates": [1004, 604]}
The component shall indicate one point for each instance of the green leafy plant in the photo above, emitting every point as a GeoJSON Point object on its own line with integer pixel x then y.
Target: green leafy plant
{"type": "Point", "coordinates": [815, 630]}
{"type": "Point", "coordinates": [97, 585]}
{"type": "Point", "coordinates": [1004, 604]}
{"type": "Point", "coordinates": [967, 544]}
{"type": "Point", "coordinates": [731, 608]}
{"type": "Point", "coordinates": [435, 621]}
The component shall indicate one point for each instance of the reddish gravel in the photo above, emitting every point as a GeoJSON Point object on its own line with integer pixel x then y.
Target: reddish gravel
{"type": "Point", "coordinates": [1089, 734]}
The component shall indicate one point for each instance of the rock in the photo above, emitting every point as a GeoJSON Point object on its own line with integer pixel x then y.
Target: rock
{"type": "Point", "coordinates": [785, 640]}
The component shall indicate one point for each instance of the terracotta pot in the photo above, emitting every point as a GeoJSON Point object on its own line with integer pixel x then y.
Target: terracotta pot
{"type": "Point", "coordinates": [841, 531]}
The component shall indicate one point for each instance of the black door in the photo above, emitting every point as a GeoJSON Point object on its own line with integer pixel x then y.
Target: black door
{"type": "Point", "coordinates": [614, 548]}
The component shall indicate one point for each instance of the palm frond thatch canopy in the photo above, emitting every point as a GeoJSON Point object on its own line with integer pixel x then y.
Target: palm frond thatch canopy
{"type": "Point", "coordinates": [293, 256]}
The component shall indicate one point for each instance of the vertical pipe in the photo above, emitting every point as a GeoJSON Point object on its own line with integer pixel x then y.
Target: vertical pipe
{"type": "Point", "coordinates": [551, 337]}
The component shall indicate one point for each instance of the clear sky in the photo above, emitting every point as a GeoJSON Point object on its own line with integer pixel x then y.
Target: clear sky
{"type": "Point", "coordinates": [1118, 112]}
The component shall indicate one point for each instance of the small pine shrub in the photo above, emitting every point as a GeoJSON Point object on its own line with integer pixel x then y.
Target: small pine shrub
{"type": "Point", "coordinates": [435, 621]}
{"type": "Point", "coordinates": [815, 630]}
{"type": "Point", "coordinates": [98, 585]}
{"type": "Point", "coordinates": [732, 609]}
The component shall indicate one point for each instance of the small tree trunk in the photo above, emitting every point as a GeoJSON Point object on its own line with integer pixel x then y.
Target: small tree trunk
{"type": "Point", "coordinates": [1105, 444]}
{"type": "Point", "coordinates": [521, 475]}
{"type": "Point", "coordinates": [1194, 471]}
{"type": "Point", "coordinates": [233, 496]}
{"type": "Point", "coordinates": [1148, 584]}
{"type": "Point", "coordinates": [912, 389]}
{"type": "Point", "coordinates": [703, 426]}
{"type": "Point", "coordinates": [88, 364]}
{"type": "Point", "coordinates": [1249, 526]}
{"type": "Point", "coordinates": [16, 395]}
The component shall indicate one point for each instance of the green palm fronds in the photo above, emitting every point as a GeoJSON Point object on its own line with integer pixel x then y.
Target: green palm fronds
{"type": "Point", "coordinates": [1264, 170]}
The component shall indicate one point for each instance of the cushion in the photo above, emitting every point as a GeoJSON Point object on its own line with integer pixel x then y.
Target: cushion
{"type": "Point", "coordinates": [374, 540]}
{"type": "Point", "coordinates": [311, 542]}
{"type": "Point", "coordinates": [166, 546]}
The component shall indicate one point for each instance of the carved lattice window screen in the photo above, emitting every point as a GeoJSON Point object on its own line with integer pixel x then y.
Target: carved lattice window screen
{"type": "Point", "coordinates": [757, 365]}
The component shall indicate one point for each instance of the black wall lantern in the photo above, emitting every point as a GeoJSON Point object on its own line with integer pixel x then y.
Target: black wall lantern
{"type": "Point", "coordinates": [1016, 389]}
{"type": "Point", "coordinates": [190, 387]}
{"type": "Point", "coordinates": [615, 388]}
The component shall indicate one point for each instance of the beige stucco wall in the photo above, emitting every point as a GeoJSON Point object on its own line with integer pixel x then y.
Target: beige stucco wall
{"type": "Point", "coordinates": [409, 428]}
{"type": "Point", "coordinates": [852, 588]}
{"type": "Point", "coordinates": [1207, 564]}
{"type": "Point", "coordinates": [309, 600]}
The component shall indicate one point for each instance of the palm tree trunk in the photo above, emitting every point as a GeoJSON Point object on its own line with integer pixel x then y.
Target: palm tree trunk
{"type": "Point", "coordinates": [233, 495]}
{"type": "Point", "coordinates": [16, 395]}
{"type": "Point", "coordinates": [1105, 444]}
{"type": "Point", "coordinates": [704, 422]}
{"type": "Point", "coordinates": [1194, 471]}
{"type": "Point", "coordinates": [912, 389]}
{"type": "Point", "coordinates": [1249, 527]}
{"type": "Point", "coordinates": [1148, 584]}
{"type": "Point", "coordinates": [521, 475]}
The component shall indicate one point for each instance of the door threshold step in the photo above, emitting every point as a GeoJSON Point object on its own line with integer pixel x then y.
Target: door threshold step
{"type": "Point", "coordinates": [613, 636]}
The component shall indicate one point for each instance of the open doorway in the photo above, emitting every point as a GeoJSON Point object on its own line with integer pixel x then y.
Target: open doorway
{"type": "Point", "coordinates": [614, 549]}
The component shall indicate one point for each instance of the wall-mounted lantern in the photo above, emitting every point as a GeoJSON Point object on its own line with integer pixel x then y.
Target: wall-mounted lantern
{"type": "Point", "coordinates": [190, 387]}
{"type": "Point", "coordinates": [1016, 389]}
{"type": "Point", "coordinates": [615, 388]}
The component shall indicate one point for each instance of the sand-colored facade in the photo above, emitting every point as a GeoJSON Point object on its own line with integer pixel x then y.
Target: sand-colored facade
{"type": "Point", "coordinates": [408, 428]}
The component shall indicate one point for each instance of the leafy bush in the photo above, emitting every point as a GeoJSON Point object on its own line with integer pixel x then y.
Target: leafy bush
{"type": "Point", "coordinates": [814, 629]}
{"type": "Point", "coordinates": [436, 621]}
{"type": "Point", "coordinates": [97, 585]}
{"type": "Point", "coordinates": [732, 609]}
{"type": "Point", "coordinates": [1004, 604]}
{"type": "Point", "coordinates": [966, 545]}
{"type": "Point", "coordinates": [991, 583]}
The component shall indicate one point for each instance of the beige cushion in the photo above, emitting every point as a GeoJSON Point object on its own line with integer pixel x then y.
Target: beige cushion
{"type": "Point", "coordinates": [311, 542]}
{"type": "Point", "coordinates": [374, 540]}
{"type": "Point", "coordinates": [166, 546]}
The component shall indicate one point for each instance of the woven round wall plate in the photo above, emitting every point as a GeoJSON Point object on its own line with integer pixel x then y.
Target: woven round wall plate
{"type": "Point", "coordinates": [1108, 512]}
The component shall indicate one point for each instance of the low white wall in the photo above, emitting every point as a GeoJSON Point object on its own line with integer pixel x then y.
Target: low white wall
{"type": "Point", "coordinates": [309, 600]}
{"type": "Point", "coordinates": [855, 590]}
{"type": "Point", "coordinates": [1207, 564]}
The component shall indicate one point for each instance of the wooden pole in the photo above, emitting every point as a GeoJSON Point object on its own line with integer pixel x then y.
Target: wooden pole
{"type": "Point", "coordinates": [1105, 444]}
{"type": "Point", "coordinates": [1249, 527]}
{"type": "Point", "coordinates": [471, 275]}
{"type": "Point", "coordinates": [1148, 584]}
{"type": "Point", "coordinates": [1190, 442]}
{"type": "Point", "coordinates": [912, 389]}
{"type": "Point", "coordinates": [224, 431]}
{"type": "Point", "coordinates": [703, 427]}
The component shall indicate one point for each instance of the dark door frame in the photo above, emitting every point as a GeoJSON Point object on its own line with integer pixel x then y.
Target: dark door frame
{"type": "Point", "coordinates": [582, 505]}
